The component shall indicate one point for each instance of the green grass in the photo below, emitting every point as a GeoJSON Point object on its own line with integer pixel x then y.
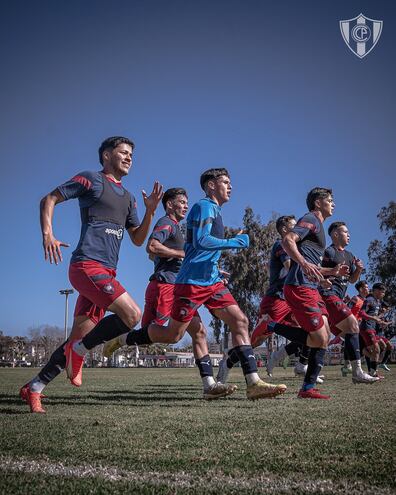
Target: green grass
{"type": "Point", "coordinates": [149, 431]}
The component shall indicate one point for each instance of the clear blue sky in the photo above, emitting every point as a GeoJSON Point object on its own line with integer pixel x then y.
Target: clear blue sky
{"type": "Point", "coordinates": [266, 88]}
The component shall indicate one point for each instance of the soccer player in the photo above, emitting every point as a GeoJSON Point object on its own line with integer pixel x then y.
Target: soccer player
{"type": "Point", "coordinates": [384, 338]}
{"type": "Point", "coordinates": [199, 282]}
{"type": "Point", "coordinates": [107, 210]}
{"type": "Point", "coordinates": [342, 322]}
{"type": "Point", "coordinates": [305, 245]}
{"type": "Point", "coordinates": [370, 318]}
{"type": "Point", "coordinates": [165, 247]}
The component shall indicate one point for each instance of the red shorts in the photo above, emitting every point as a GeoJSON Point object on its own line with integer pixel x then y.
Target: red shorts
{"type": "Point", "coordinates": [188, 298]}
{"type": "Point", "coordinates": [277, 309]}
{"type": "Point", "coordinates": [97, 288]}
{"type": "Point", "coordinates": [337, 310]}
{"type": "Point", "coordinates": [369, 337]}
{"type": "Point", "coordinates": [158, 303]}
{"type": "Point", "coordinates": [307, 306]}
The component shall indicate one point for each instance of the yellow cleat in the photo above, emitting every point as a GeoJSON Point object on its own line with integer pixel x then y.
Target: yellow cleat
{"type": "Point", "coordinates": [219, 390]}
{"type": "Point", "coordinates": [263, 390]}
{"type": "Point", "coordinates": [110, 347]}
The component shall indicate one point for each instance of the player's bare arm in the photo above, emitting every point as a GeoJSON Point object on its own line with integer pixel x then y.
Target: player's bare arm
{"type": "Point", "coordinates": [156, 248]}
{"type": "Point", "coordinates": [139, 234]}
{"type": "Point", "coordinates": [52, 247]}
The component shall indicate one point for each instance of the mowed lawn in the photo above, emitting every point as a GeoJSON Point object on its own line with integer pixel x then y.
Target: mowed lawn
{"type": "Point", "coordinates": [149, 431]}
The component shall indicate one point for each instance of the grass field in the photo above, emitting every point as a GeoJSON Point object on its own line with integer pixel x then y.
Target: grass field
{"type": "Point", "coordinates": [148, 431]}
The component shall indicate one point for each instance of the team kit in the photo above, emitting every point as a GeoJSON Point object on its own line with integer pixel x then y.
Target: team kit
{"type": "Point", "coordinates": [305, 301]}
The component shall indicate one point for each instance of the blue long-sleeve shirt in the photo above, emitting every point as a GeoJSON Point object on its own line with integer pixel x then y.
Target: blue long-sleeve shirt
{"type": "Point", "coordinates": [204, 243]}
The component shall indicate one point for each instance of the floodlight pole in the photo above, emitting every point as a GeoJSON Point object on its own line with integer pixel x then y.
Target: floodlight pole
{"type": "Point", "coordinates": [66, 292]}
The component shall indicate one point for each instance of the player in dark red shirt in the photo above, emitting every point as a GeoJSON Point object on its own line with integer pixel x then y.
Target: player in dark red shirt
{"type": "Point", "coordinates": [342, 321]}
{"type": "Point", "coordinates": [107, 210]}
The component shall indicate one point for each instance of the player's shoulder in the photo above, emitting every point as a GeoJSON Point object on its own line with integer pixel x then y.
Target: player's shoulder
{"type": "Point", "coordinates": [165, 220]}
{"type": "Point", "coordinates": [206, 207]}
{"type": "Point", "coordinates": [90, 175]}
{"type": "Point", "coordinates": [309, 220]}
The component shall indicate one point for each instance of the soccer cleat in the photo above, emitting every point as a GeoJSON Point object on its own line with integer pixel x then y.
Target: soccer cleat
{"type": "Point", "coordinates": [375, 374]}
{"type": "Point", "coordinates": [384, 367]}
{"type": "Point", "coordinates": [110, 347]}
{"type": "Point", "coordinates": [34, 401]}
{"type": "Point", "coordinates": [263, 390]}
{"type": "Point", "coordinates": [319, 380]}
{"type": "Point", "coordinates": [345, 370]}
{"type": "Point", "coordinates": [362, 377]}
{"type": "Point", "coordinates": [222, 374]}
{"type": "Point", "coordinates": [261, 332]}
{"type": "Point", "coordinates": [74, 364]}
{"type": "Point", "coordinates": [312, 393]}
{"type": "Point", "coordinates": [300, 369]}
{"type": "Point", "coordinates": [24, 392]}
{"type": "Point", "coordinates": [275, 359]}
{"type": "Point", "coordinates": [219, 390]}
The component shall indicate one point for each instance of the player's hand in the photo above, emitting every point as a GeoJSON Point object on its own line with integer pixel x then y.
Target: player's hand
{"type": "Point", "coordinates": [326, 284]}
{"type": "Point", "coordinates": [52, 249]}
{"type": "Point", "coordinates": [151, 202]}
{"type": "Point", "coordinates": [359, 264]}
{"type": "Point", "coordinates": [312, 272]}
{"type": "Point", "coordinates": [224, 276]}
{"type": "Point", "coordinates": [341, 270]}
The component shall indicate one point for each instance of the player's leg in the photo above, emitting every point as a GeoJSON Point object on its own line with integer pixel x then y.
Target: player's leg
{"type": "Point", "coordinates": [387, 353]}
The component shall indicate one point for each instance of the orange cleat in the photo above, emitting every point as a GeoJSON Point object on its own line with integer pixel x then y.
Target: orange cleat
{"type": "Point", "coordinates": [261, 332]}
{"type": "Point", "coordinates": [34, 401]}
{"type": "Point", "coordinates": [312, 393]}
{"type": "Point", "coordinates": [24, 392]}
{"type": "Point", "coordinates": [74, 364]}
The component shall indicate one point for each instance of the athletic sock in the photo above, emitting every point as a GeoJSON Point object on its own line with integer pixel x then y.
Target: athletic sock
{"type": "Point", "coordinates": [356, 366]}
{"type": "Point", "coordinates": [292, 348]}
{"type": "Point", "coordinates": [138, 337]}
{"type": "Point", "coordinates": [352, 348]}
{"type": "Point", "coordinates": [295, 334]}
{"type": "Point", "coordinates": [374, 365]}
{"type": "Point", "coordinates": [248, 363]}
{"type": "Point", "coordinates": [368, 362]}
{"type": "Point", "coordinates": [206, 371]}
{"type": "Point", "coordinates": [346, 355]}
{"type": "Point", "coordinates": [315, 364]}
{"type": "Point", "coordinates": [108, 328]}
{"type": "Point", "coordinates": [79, 348]}
{"type": "Point", "coordinates": [56, 364]}
{"type": "Point", "coordinates": [37, 385]}
{"type": "Point", "coordinates": [304, 355]}
{"type": "Point", "coordinates": [232, 358]}
{"type": "Point", "coordinates": [386, 356]}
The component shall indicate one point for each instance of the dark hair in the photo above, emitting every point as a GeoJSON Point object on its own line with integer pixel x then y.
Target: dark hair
{"type": "Point", "coordinates": [283, 221]}
{"type": "Point", "coordinates": [335, 226]}
{"type": "Point", "coordinates": [171, 194]}
{"type": "Point", "coordinates": [317, 193]}
{"type": "Point", "coordinates": [379, 286]}
{"type": "Point", "coordinates": [212, 173]}
{"type": "Point", "coordinates": [360, 284]}
{"type": "Point", "coordinates": [113, 142]}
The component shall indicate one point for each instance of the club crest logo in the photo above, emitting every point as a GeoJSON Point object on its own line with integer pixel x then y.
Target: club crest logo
{"type": "Point", "coordinates": [361, 34]}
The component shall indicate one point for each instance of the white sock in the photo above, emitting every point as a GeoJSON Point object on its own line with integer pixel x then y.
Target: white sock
{"type": "Point", "coordinates": [208, 382]}
{"type": "Point", "coordinates": [356, 366]}
{"type": "Point", "coordinates": [80, 348]}
{"type": "Point", "coordinates": [252, 378]}
{"type": "Point", "coordinates": [36, 385]}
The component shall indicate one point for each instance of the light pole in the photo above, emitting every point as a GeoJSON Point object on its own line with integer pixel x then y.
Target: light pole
{"type": "Point", "coordinates": [66, 292]}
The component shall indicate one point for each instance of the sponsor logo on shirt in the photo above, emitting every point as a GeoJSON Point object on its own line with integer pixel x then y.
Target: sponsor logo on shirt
{"type": "Point", "coordinates": [118, 233]}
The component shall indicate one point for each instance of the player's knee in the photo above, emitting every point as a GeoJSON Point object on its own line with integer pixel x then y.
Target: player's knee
{"type": "Point", "coordinates": [132, 317]}
{"type": "Point", "coordinates": [175, 335]}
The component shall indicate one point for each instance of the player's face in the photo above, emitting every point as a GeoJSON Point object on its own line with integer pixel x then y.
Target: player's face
{"type": "Point", "coordinates": [222, 189]}
{"type": "Point", "coordinates": [364, 291]}
{"type": "Point", "coordinates": [326, 206]}
{"type": "Point", "coordinates": [379, 293]}
{"type": "Point", "coordinates": [180, 207]}
{"type": "Point", "coordinates": [121, 159]}
{"type": "Point", "coordinates": [342, 235]}
{"type": "Point", "coordinates": [290, 225]}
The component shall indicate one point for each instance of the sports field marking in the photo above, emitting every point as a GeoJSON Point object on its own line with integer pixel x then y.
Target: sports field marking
{"type": "Point", "coordinates": [212, 479]}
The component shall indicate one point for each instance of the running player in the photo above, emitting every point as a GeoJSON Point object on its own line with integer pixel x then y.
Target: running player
{"type": "Point", "coordinates": [199, 282]}
{"type": "Point", "coordinates": [384, 335]}
{"type": "Point", "coordinates": [107, 210]}
{"type": "Point", "coordinates": [305, 245]}
{"type": "Point", "coordinates": [165, 246]}
{"type": "Point", "coordinates": [342, 322]}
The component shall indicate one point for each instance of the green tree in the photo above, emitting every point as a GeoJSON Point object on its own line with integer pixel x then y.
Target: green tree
{"type": "Point", "coordinates": [248, 267]}
{"type": "Point", "coordinates": [382, 254]}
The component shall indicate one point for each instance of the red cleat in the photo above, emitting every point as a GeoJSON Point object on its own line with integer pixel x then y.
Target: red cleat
{"type": "Point", "coordinates": [74, 364]}
{"type": "Point", "coordinates": [312, 393]}
{"type": "Point", "coordinates": [24, 392]}
{"type": "Point", "coordinates": [34, 401]}
{"type": "Point", "coordinates": [261, 332]}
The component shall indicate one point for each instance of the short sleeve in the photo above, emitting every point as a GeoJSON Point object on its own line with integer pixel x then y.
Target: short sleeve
{"type": "Point", "coordinates": [163, 229]}
{"type": "Point", "coordinates": [77, 186]}
{"type": "Point", "coordinates": [132, 218]}
{"type": "Point", "coordinates": [306, 225]}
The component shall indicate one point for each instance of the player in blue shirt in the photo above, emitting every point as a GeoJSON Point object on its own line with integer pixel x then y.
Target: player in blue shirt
{"type": "Point", "coordinates": [107, 210]}
{"type": "Point", "coordinates": [199, 282]}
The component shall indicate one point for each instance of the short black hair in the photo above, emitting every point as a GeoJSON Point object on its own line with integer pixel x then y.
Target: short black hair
{"type": "Point", "coordinates": [335, 226]}
{"type": "Point", "coordinates": [113, 142]}
{"type": "Point", "coordinates": [360, 284]}
{"type": "Point", "coordinates": [172, 193]}
{"type": "Point", "coordinates": [212, 173]}
{"type": "Point", "coordinates": [317, 193]}
{"type": "Point", "coordinates": [379, 286]}
{"type": "Point", "coordinates": [283, 221]}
